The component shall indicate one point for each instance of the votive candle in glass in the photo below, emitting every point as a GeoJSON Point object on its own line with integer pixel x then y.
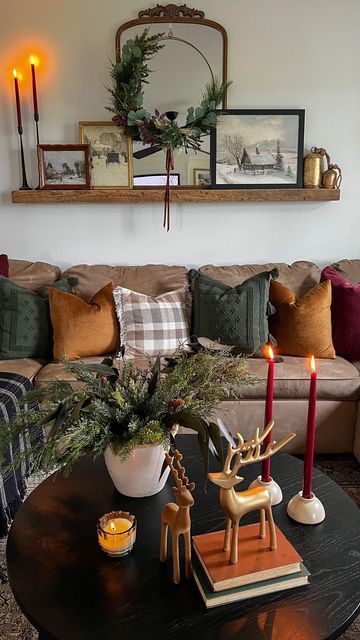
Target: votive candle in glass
{"type": "Point", "coordinates": [117, 533]}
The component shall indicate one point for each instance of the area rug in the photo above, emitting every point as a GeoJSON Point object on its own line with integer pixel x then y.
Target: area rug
{"type": "Point", "coordinates": [344, 469]}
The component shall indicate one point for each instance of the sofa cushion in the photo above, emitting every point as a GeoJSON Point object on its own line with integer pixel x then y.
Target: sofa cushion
{"type": "Point", "coordinates": [337, 379]}
{"type": "Point", "coordinates": [25, 326]}
{"type": "Point", "coordinates": [33, 275]}
{"type": "Point", "coordinates": [349, 268]}
{"type": "Point", "coordinates": [232, 315]}
{"type": "Point", "coordinates": [4, 265]}
{"type": "Point", "coordinates": [56, 371]}
{"type": "Point", "coordinates": [153, 325]}
{"type": "Point", "coordinates": [302, 326]}
{"type": "Point", "coordinates": [299, 276]}
{"type": "Point", "coordinates": [151, 279]}
{"type": "Point", "coordinates": [345, 314]}
{"type": "Point", "coordinates": [83, 329]}
{"type": "Point", "coordinates": [27, 367]}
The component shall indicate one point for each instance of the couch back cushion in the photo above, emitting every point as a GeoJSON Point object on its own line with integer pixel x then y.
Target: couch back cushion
{"type": "Point", "coordinates": [150, 279]}
{"type": "Point", "coordinates": [299, 276]}
{"type": "Point", "coordinates": [33, 275]}
{"type": "Point", "coordinates": [349, 269]}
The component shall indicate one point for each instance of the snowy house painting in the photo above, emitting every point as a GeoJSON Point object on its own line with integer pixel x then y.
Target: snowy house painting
{"type": "Point", "coordinates": [262, 148]}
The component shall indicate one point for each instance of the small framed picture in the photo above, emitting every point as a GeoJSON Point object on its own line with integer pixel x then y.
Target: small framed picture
{"type": "Point", "coordinates": [201, 177]}
{"type": "Point", "coordinates": [156, 180]}
{"type": "Point", "coordinates": [257, 148]}
{"type": "Point", "coordinates": [110, 154]}
{"type": "Point", "coordinates": [64, 166]}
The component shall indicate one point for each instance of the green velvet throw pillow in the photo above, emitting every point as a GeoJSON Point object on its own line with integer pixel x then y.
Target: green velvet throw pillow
{"type": "Point", "coordinates": [25, 325]}
{"type": "Point", "coordinates": [236, 316]}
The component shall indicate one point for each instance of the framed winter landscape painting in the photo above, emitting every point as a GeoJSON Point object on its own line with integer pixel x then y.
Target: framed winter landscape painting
{"type": "Point", "coordinates": [258, 148]}
{"type": "Point", "coordinates": [110, 154]}
{"type": "Point", "coordinates": [64, 166]}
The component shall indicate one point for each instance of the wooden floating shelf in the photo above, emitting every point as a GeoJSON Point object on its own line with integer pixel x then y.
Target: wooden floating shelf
{"type": "Point", "coordinates": [178, 194]}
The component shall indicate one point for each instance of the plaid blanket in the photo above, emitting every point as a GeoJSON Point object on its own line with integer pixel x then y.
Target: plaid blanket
{"type": "Point", "coordinates": [12, 481]}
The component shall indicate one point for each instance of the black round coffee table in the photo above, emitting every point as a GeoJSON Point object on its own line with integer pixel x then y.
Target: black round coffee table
{"type": "Point", "coordinates": [70, 590]}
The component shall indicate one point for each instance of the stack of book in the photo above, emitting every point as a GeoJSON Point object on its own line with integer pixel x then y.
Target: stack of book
{"type": "Point", "coordinates": [259, 571]}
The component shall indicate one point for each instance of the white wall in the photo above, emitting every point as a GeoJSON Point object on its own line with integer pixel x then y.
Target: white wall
{"type": "Point", "coordinates": [283, 53]}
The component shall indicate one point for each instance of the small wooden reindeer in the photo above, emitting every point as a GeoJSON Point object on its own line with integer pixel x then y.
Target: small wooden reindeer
{"type": "Point", "coordinates": [177, 517]}
{"type": "Point", "coordinates": [236, 504]}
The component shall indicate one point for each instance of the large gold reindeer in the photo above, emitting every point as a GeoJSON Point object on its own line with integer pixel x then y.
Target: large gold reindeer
{"type": "Point", "coordinates": [177, 517]}
{"type": "Point", "coordinates": [236, 504]}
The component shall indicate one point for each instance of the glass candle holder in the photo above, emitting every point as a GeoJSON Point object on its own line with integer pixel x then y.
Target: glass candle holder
{"type": "Point", "coordinates": [117, 533]}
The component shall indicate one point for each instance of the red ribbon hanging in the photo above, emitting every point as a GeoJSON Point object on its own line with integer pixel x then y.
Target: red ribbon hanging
{"type": "Point", "coordinates": [169, 166]}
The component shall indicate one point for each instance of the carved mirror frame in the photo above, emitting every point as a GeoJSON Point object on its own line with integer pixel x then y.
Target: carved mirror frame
{"type": "Point", "coordinates": [175, 14]}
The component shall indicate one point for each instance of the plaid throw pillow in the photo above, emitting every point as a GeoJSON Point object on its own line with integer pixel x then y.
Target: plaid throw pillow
{"type": "Point", "coordinates": [152, 326]}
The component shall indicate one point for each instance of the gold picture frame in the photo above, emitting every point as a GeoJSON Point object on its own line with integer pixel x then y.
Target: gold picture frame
{"type": "Point", "coordinates": [106, 153]}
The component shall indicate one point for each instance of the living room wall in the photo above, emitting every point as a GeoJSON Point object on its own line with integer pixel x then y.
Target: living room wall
{"type": "Point", "coordinates": [283, 54]}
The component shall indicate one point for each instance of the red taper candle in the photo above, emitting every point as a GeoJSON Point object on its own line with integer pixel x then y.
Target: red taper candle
{"type": "Point", "coordinates": [17, 99]}
{"type": "Point", "coordinates": [34, 89]}
{"type": "Point", "coordinates": [265, 468]}
{"type": "Point", "coordinates": [310, 434]}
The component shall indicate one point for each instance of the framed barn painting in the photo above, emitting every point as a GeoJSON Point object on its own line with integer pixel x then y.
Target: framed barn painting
{"type": "Point", "coordinates": [258, 148]}
{"type": "Point", "coordinates": [110, 154]}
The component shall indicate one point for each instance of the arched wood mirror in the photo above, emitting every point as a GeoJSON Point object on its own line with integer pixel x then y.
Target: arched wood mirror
{"type": "Point", "coordinates": [195, 50]}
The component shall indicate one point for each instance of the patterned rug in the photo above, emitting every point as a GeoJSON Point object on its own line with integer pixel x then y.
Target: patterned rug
{"type": "Point", "coordinates": [344, 469]}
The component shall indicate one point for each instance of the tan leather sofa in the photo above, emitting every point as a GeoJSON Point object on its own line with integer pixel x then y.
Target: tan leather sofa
{"type": "Point", "coordinates": [338, 415]}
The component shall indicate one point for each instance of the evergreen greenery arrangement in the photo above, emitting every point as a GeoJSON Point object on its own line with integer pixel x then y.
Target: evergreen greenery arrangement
{"type": "Point", "coordinates": [125, 406]}
{"type": "Point", "coordinates": [127, 95]}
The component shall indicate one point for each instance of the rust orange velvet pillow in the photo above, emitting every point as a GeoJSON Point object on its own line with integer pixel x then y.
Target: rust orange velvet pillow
{"type": "Point", "coordinates": [83, 329]}
{"type": "Point", "coordinates": [302, 326]}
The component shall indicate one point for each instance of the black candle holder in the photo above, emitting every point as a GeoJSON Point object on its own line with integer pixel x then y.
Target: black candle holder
{"type": "Point", "coordinates": [36, 118]}
{"type": "Point", "coordinates": [24, 186]}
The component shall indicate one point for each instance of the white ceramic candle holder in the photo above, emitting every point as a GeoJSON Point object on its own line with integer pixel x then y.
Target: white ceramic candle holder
{"type": "Point", "coordinates": [306, 510]}
{"type": "Point", "coordinates": [276, 495]}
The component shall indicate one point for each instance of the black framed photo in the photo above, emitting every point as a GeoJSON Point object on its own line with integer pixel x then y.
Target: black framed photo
{"type": "Point", "coordinates": [64, 166]}
{"type": "Point", "coordinates": [257, 149]}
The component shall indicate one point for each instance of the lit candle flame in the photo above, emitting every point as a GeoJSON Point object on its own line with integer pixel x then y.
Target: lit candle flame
{"type": "Point", "coordinates": [270, 353]}
{"type": "Point", "coordinates": [312, 364]}
{"type": "Point", "coordinates": [34, 60]}
{"type": "Point", "coordinates": [14, 73]}
{"type": "Point", "coordinates": [112, 526]}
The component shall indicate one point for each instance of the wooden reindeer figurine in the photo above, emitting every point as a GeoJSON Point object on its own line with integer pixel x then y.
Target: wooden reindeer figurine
{"type": "Point", "coordinates": [236, 504]}
{"type": "Point", "coordinates": [177, 517]}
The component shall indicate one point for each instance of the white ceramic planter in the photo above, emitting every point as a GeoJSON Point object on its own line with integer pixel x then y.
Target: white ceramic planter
{"type": "Point", "coordinates": [140, 474]}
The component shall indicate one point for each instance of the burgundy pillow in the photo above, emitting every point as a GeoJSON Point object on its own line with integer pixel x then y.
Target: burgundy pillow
{"type": "Point", "coordinates": [4, 265]}
{"type": "Point", "coordinates": [345, 314]}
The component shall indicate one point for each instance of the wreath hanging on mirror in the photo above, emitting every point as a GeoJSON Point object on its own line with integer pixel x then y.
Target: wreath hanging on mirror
{"type": "Point", "coordinates": [159, 129]}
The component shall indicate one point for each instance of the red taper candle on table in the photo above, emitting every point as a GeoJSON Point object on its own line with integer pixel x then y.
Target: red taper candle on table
{"type": "Point", "coordinates": [265, 469]}
{"type": "Point", "coordinates": [17, 99]}
{"type": "Point", "coordinates": [310, 433]}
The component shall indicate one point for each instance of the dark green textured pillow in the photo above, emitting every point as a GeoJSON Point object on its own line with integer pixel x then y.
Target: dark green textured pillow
{"type": "Point", "coordinates": [236, 316]}
{"type": "Point", "coordinates": [25, 325]}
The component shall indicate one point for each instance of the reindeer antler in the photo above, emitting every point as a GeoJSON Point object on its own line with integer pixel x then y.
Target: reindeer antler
{"type": "Point", "coordinates": [252, 448]}
{"type": "Point", "coordinates": [178, 472]}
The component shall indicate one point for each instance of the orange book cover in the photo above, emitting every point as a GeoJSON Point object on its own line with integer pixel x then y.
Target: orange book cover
{"type": "Point", "coordinates": [256, 561]}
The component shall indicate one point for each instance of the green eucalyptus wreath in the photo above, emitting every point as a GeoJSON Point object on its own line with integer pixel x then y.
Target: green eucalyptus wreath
{"type": "Point", "coordinates": [128, 76]}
